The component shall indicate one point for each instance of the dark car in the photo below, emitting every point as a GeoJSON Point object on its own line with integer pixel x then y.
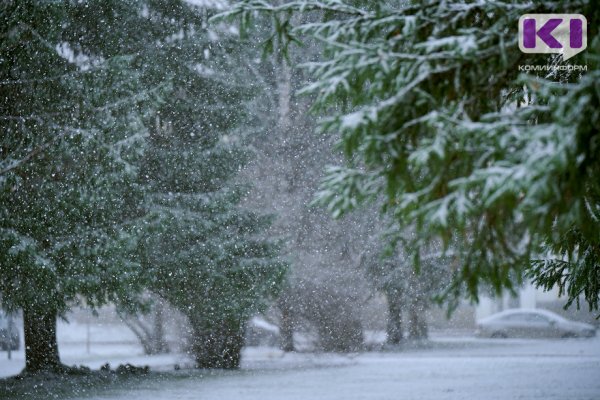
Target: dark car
{"type": "Point", "coordinates": [9, 334]}
{"type": "Point", "coordinates": [534, 323]}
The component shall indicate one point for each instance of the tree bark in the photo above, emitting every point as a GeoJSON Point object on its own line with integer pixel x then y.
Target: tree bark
{"type": "Point", "coordinates": [149, 331]}
{"type": "Point", "coordinates": [394, 323]}
{"type": "Point", "coordinates": [286, 329]}
{"type": "Point", "coordinates": [417, 329]}
{"type": "Point", "coordinates": [219, 347]}
{"type": "Point", "coordinates": [41, 347]}
{"type": "Point", "coordinates": [158, 335]}
{"type": "Point", "coordinates": [284, 95]}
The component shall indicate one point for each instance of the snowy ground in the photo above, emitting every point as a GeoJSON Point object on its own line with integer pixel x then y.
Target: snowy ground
{"type": "Point", "coordinates": [115, 344]}
{"type": "Point", "coordinates": [450, 368]}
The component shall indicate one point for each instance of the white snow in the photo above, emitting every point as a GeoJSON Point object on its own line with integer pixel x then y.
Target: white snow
{"type": "Point", "coordinates": [353, 120]}
{"type": "Point", "coordinates": [115, 344]}
{"type": "Point", "coordinates": [483, 370]}
{"type": "Point", "coordinates": [210, 4]}
{"type": "Point", "coordinates": [454, 368]}
{"type": "Point", "coordinates": [263, 324]}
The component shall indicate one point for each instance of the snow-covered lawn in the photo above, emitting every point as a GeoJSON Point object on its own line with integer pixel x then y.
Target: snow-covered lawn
{"type": "Point", "coordinates": [451, 368]}
{"type": "Point", "coordinates": [454, 369]}
{"type": "Point", "coordinates": [115, 344]}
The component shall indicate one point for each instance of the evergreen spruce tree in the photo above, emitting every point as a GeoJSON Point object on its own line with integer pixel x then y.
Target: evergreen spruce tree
{"type": "Point", "coordinates": [202, 251]}
{"type": "Point", "coordinates": [80, 81]}
{"type": "Point", "coordinates": [72, 135]}
{"type": "Point", "coordinates": [436, 118]}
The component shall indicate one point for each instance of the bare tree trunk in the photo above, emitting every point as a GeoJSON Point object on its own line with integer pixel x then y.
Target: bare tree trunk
{"type": "Point", "coordinates": [394, 323]}
{"type": "Point", "coordinates": [150, 334]}
{"type": "Point", "coordinates": [41, 347]}
{"type": "Point", "coordinates": [140, 332]}
{"type": "Point", "coordinates": [158, 333]}
{"type": "Point", "coordinates": [284, 95]}
{"type": "Point", "coordinates": [417, 329]}
{"type": "Point", "coordinates": [286, 329]}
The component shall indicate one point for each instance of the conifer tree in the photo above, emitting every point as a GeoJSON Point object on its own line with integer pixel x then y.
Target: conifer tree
{"type": "Point", "coordinates": [72, 136]}
{"type": "Point", "coordinates": [436, 118]}
{"type": "Point", "coordinates": [203, 252]}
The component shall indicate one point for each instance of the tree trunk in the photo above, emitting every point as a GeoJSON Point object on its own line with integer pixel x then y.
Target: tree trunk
{"type": "Point", "coordinates": [417, 329]}
{"type": "Point", "coordinates": [158, 335]}
{"type": "Point", "coordinates": [394, 323]}
{"type": "Point", "coordinates": [150, 332]}
{"type": "Point", "coordinates": [286, 329]}
{"type": "Point", "coordinates": [284, 95]}
{"type": "Point", "coordinates": [219, 347]}
{"type": "Point", "coordinates": [41, 348]}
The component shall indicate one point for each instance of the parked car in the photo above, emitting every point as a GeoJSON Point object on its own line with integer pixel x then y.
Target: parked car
{"type": "Point", "coordinates": [533, 323]}
{"type": "Point", "coordinates": [9, 334]}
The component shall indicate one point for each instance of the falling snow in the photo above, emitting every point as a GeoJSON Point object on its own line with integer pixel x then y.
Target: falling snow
{"type": "Point", "coordinates": [295, 199]}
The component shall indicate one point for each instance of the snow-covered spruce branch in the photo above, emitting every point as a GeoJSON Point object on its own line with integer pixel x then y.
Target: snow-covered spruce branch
{"type": "Point", "coordinates": [252, 6]}
{"type": "Point", "coordinates": [25, 159]}
{"type": "Point", "coordinates": [58, 77]}
{"type": "Point", "coordinates": [62, 131]}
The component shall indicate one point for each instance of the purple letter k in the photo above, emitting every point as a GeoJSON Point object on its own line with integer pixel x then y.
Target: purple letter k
{"type": "Point", "coordinates": [545, 33]}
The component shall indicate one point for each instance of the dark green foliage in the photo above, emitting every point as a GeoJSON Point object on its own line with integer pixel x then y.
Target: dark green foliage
{"type": "Point", "coordinates": [80, 82]}
{"type": "Point", "coordinates": [73, 133]}
{"type": "Point", "coordinates": [203, 252]}
{"type": "Point", "coordinates": [72, 117]}
{"type": "Point", "coordinates": [436, 119]}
